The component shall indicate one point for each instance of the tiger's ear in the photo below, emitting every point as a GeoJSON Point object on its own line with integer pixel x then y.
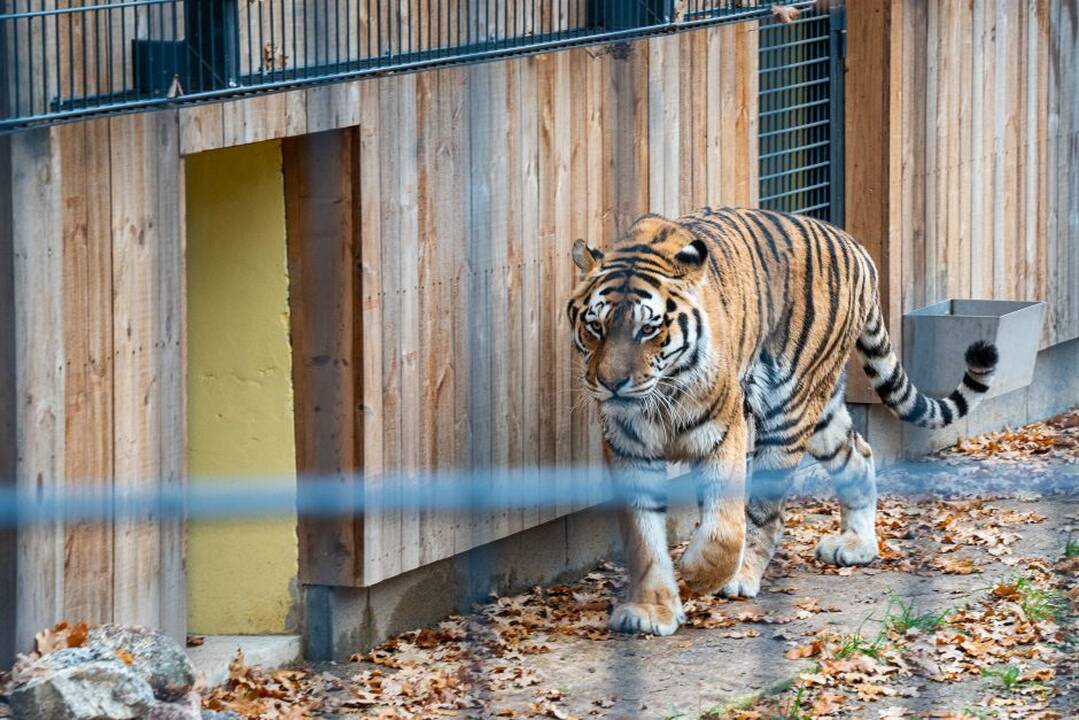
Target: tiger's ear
{"type": "Point", "coordinates": [692, 257]}
{"type": "Point", "coordinates": [584, 257]}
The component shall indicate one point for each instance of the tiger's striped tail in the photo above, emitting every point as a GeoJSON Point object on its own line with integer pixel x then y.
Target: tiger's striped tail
{"type": "Point", "coordinates": [890, 380]}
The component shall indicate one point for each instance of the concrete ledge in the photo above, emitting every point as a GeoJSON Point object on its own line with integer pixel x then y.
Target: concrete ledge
{"type": "Point", "coordinates": [212, 658]}
{"type": "Point", "coordinates": [341, 620]}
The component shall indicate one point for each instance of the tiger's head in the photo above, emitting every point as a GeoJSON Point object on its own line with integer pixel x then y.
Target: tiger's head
{"type": "Point", "coordinates": [636, 315]}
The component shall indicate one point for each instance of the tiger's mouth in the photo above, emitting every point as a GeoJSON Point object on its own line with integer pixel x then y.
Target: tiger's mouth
{"type": "Point", "coordinates": [624, 396]}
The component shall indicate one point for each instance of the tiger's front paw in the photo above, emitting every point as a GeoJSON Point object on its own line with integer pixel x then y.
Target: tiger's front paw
{"type": "Point", "coordinates": [707, 565]}
{"type": "Point", "coordinates": [848, 548]}
{"type": "Point", "coordinates": [745, 583]}
{"type": "Point", "coordinates": [646, 618]}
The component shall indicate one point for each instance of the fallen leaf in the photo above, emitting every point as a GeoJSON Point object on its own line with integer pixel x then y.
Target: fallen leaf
{"type": "Point", "coordinates": [786, 14]}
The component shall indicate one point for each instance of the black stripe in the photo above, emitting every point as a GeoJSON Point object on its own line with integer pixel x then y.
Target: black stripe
{"type": "Point", "coordinates": [703, 417]}
{"type": "Point", "coordinates": [970, 382]}
{"type": "Point", "coordinates": [617, 252]}
{"type": "Point", "coordinates": [846, 460]}
{"type": "Point", "coordinates": [823, 422]}
{"type": "Point", "coordinates": [917, 413]}
{"type": "Point", "coordinates": [628, 430]}
{"type": "Point", "coordinates": [633, 457]}
{"type": "Point", "coordinates": [891, 384]}
{"type": "Point", "coordinates": [828, 457]}
{"type": "Point", "coordinates": [873, 352]}
{"type": "Point", "coordinates": [767, 519]}
{"type": "Point", "coordinates": [945, 412]}
{"type": "Point", "coordinates": [961, 406]}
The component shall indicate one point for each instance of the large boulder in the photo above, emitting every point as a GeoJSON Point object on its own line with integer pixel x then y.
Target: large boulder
{"type": "Point", "coordinates": [80, 684]}
{"type": "Point", "coordinates": [155, 657]}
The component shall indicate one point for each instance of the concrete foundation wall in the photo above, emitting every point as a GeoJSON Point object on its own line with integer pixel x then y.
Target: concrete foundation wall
{"type": "Point", "coordinates": [340, 621]}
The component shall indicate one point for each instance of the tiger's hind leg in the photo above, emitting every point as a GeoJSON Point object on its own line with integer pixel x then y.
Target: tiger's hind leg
{"type": "Point", "coordinates": [849, 459]}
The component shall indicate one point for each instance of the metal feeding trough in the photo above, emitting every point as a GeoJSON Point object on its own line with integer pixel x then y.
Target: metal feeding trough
{"type": "Point", "coordinates": [935, 338]}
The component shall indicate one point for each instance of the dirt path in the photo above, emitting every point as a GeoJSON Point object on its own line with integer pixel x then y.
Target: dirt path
{"type": "Point", "coordinates": [968, 613]}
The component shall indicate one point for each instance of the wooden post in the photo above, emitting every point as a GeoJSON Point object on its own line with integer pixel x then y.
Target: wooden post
{"type": "Point", "coordinates": [326, 358]}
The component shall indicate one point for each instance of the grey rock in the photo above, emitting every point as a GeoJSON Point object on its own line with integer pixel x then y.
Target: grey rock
{"type": "Point", "coordinates": [155, 657]}
{"type": "Point", "coordinates": [215, 715]}
{"type": "Point", "coordinates": [80, 686]}
{"type": "Point", "coordinates": [186, 708]}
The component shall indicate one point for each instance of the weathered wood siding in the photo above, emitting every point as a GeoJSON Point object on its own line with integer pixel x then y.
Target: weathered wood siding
{"type": "Point", "coordinates": [92, 310]}
{"type": "Point", "coordinates": [429, 261]}
{"type": "Point", "coordinates": [963, 151]}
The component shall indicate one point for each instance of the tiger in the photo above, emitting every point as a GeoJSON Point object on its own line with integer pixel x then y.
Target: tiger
{"type": "Point", "coordinates": [721, 339]}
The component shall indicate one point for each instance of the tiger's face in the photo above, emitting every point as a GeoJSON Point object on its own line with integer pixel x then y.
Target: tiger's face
{"type": "Point", "coordinates": [635, 315]}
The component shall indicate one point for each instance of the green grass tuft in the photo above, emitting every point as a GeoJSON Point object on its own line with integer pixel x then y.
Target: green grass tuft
{"type": "Point", "coordinates": [1071, 549]}
{"type": "Point", "coordinates": [900, 617]}
{"type": "Point", "coordinates": [1041, 603]}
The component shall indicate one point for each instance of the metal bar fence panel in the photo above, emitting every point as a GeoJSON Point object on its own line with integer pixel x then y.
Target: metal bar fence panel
{"type": "Point", "coordinates": [801, 114]}
{"type": "Point", "coordinates": [69, 59]}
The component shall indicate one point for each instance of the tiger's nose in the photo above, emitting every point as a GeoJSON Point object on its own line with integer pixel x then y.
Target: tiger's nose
{"type": "Point", "coordinates": [615, 385]}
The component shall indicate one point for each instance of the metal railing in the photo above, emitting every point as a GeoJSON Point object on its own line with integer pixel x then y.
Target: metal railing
{"type": "Point", "coordinates": [801, 115]}
{"type": "Point", "coordinates": [68, 59]}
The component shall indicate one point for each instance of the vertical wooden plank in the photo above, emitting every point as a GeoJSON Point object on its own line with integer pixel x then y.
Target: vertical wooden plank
{"type": "Point", "coordinates": [984, 67]}
{"type": "Point", "coordinates": [479, 258]}
{"type": "Point", "coordinates": [936, 194]}
{"type": "Point", "coordinates": [169, 337]}
{"type": "Point", "coordinates": [746, 40]}
{"type": "Point", "coordinates": [599, 212]}
{"type": "Point", "coordinates": [664, 130]}
{"type": "Point", "coordinates": [464, 371]}
{"type": "Point", "coordinates": [378, 527]}
{"type": "Point", "coordinates": [452, 222]}
{"type": "Point", "coordinates": [407, 244]}
{"type": "Point", "coordinates": [579, 406]}
{"type": "Point", "coordinates": [1033, 112]}
{"type": "Point", "coordinates": [9, 450]}
{"type": "Point", "coordinates": [87, 261]}
{"type": "Point", "coordinates": [319, 224]}
{"type": "Point", "coordinates": [1041, 288]}
{"type": "Point", "coordinates": [439, 101]}
{"type": "Point", "coordinates": [914, 163]}
{"type": "Point", "coordinates": [136, 238]}
{"type": "Point", "coordinates": [38, 373]}
{"type": "Point", "coordinates": [389, 226]}
{"type": "Point", "coordinates": [959, 245]}
{"type": "Point", "coordinates": [500, 221]}
{"type": "Point", "coordinates": [532, 250]}
{"type": "Point", "coordinates": [563, 270]}
{"type": "Point", "coordinates": [511, 272]}
{"type": "Point", "coordinates": [715, 103]}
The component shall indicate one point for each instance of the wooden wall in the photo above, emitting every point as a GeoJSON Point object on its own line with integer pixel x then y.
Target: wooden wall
{"type": "Point", "coordinates": [92, 311]}
{"type": "Point", "coordinates": [962, 150]}
{"type": "Point", "coordinates": [429, 257]}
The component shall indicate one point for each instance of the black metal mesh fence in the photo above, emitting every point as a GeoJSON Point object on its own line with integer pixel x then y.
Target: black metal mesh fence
{"type": "Point", "coordinates": [801, 115]}
{"type": "Point", "coordinates": [85, 57]}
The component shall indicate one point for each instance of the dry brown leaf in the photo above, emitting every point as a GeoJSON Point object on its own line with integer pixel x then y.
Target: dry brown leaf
{"type": "Point", "coordinates": [786, 14]}
{"type": "Point", "coordinates": [803, 651]}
